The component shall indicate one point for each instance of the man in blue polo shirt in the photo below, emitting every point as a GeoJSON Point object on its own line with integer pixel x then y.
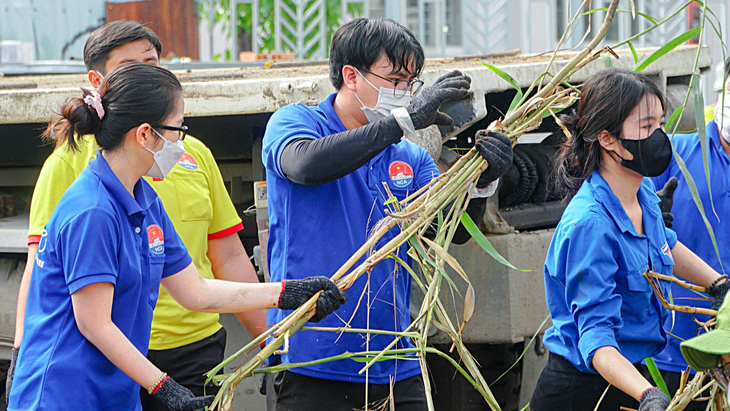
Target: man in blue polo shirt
{"type": "Point", "coordinates": [325, 169]}
{"type": "Point", "coordinates": [690, 227]}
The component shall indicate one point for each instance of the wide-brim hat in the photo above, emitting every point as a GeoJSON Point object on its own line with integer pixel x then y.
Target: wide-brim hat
{"type": "Point", "coordinates": [703, 352]}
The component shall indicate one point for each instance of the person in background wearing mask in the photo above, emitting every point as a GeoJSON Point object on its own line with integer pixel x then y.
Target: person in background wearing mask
{"type": "Point", "coordinates": [690, 226]}
{"type": "Point", "coordinates": [325, 170]}
{"type": "Point", "coordinates": [106, 249]}
{"type": "Point", "coordinates": [184, 343]}
{"type": "Point", "coordinates": [711, 351]}
{"type": "Point", "coordinates": [606, 319]}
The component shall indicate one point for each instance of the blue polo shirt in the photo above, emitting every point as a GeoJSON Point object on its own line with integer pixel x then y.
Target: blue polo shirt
{"type": "Point", "coordinates": [594, 286]}
{"type": "Point", "coordinates": [98, 233]}
{"type": "Point", "coordinates": [691, 231]}
{"type": "Point", "coordinates": [313, 230]}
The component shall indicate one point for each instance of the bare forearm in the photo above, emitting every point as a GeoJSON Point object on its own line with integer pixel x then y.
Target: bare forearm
{"type": "Point", "coordinates": [229, 297]}
{"type": "Point", "coordinates": [121, 352]}
{"type": "Point", "coordinates": [231, 263]}
{"type": "Point", "coordinates": [619, 372]}
{"type": "Point", "coordinates": [690, 267]}
{"type": "Point", "coordinates": [23, 294]}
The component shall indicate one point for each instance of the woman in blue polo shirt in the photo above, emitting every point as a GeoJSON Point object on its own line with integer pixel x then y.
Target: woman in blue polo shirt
{"type": "Point", "coordinates": [605, 316]}
{"type": "Point", "coordinates": [106, 249]}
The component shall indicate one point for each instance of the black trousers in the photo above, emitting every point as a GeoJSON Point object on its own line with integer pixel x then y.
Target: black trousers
{"type": "Point", "coordinates": [288, 391]}
{"type": "Point", "coordinates": [186, 365]}
{"type": "Point", "coordinates": [562, 387]}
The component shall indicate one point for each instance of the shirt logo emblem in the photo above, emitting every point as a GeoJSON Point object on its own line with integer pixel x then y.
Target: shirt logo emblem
{"type": "Point", "coordinates": [401, 174]}
{"type": "Point", "coordinates": [667, 251]}
{"type": "Point", "coordinates": [156, 239]}
{"type": "Point", "coordinates": [188, 162]}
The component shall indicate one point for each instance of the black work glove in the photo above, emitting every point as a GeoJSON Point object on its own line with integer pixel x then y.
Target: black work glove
{"type": "Point", "coordinates": [11, 373]}
{"type": "Point", "coordinates": [654, 399]}
{"type": "Point", "coordinates": [424, 108]}
{"type": "Point", "coordinates": [666, 195]}
{"type": "Point", "coordinates": [179, 398]}
{"type": "Point", "coordinates": [296, 292]}
{"type": "Point", "coordinates": [496, 148]}
{"type": "Point", "coordinates": [717, 292]}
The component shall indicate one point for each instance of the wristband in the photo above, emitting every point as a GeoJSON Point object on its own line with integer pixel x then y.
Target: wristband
{"type": "Point", "coordinates": [158, 382]}
{"type": "Point", "coordinates": [717, 281]}
{"type": "Point", "coordinates": [404, 121]}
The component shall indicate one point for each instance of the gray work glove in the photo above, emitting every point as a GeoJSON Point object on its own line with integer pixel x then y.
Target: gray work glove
{"type": "Point", "coordinates": [717, 292]}
{"type": "Point", "coordinates": [666, 195]}
{"type": "Point", "coordinates": [178, 398]}
{"type": "Point", "coordinates": [654, 399]}
{"type": "Point", "coordinates": [424, 108]}
{"type": "Point", "coordinates": [496, 148]}
{"type": "Point", "coordinates": [11, 373]}
{"type": "Point", "coordinates": [294, 293]}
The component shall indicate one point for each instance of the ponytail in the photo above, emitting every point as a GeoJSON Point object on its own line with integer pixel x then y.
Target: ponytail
{"type": "Point", "coordinates": [75, 120]}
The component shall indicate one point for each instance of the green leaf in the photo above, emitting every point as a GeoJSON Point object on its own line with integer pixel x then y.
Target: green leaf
{"type": "Point", "coordinates": [646, 16]}
{"type": "Point", "coordinates": [633, 53]}
{"type": "Point", "coordinates": [483, 242]}
{"type": "Point", "coordinates": [527, 347]}
{"type": "Point", "coordinates": [698, 201]}
{"type": "Point", "coordinates": [682, 38]}
{"type": "Point", "coordinates": [674, 117]}
{"type": "Point", "coordinates": [506, 77]}
{"type": "Point", "coordinates": [657, 376]}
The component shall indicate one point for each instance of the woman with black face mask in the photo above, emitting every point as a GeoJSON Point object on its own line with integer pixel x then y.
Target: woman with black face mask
{"type": "Point", "coordinates": [606, 319]}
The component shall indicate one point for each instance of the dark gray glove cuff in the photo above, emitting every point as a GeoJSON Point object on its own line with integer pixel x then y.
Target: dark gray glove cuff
{"type": "Point", "coordinates": [11, 373]}
{"type": "Point", "coordinates": [179, 398]}
{"type": "Point", "coordinates": [717, 292]}
{"type": "Point", "coordinates": [654, 399]}
{"type": "Point", "coordinates": [294, 293]}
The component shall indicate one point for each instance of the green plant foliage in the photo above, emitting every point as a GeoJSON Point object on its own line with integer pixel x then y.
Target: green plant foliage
{"type": "Point", "coordinates": [266, 20]}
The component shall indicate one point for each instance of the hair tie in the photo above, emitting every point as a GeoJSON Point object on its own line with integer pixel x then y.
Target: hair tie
{"type": "Point", "coordinates": [94, 100]}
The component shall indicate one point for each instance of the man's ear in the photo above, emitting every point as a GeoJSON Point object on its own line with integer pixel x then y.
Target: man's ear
{"type": "Point", "coordinates": [95, 79]}
{"type": "Point", "coordinates": [349, 77]}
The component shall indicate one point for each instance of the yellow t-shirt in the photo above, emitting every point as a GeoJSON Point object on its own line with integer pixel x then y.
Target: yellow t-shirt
{"type": "Point", "coordinates": [198, 204]}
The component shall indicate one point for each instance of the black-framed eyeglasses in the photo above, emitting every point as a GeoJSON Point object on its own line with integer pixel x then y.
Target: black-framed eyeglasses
{"type": "Point", "coordinates": [401, 86]}
{"type": "Point", "coordinates": [182, 130]}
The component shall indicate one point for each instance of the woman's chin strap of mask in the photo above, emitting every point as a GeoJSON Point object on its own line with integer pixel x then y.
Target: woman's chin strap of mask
{"type": "Point", "coordinates": [165, 158]}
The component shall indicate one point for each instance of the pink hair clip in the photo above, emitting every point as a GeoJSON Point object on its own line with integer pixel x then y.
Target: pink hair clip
{"type": "Point", "coordinates": [94, 100]}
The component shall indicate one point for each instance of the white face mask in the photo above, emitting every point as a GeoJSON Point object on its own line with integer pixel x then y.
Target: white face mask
{"type": "Point", "coordinates": [387, 101]}
{"type": "Point", "coordinates": [166, 158]}
{"type": "Point", "coordinates": [722, 117]}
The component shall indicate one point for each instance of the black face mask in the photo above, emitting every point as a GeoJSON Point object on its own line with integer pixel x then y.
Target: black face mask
{"type": "Point", "coordinates": [652, 155]}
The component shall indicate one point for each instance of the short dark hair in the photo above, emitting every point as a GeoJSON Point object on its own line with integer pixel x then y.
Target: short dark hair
{"type": "Point", "coordinates": [112, 35]}
{"type": "Point", "coordinates": [361, 42]}
{"type": "Point", "coordinates": [132, 94]}
{"type": "Point", "coordinates": [607, 99]}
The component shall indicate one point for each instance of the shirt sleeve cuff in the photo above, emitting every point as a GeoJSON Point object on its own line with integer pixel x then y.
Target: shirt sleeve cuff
{"type": "Point", "coordinates": [82, 282]}
{"type": "Point", "coordinates": [592, 340]}
{"type": "Point", "coordinates": [34, 239]}
{"type": "Point", "coordinates": [224, 233]}
{"type": "Point", "coordinates": [178, 266]}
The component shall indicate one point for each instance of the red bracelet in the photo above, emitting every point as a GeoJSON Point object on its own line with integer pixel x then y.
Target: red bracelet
{"type": "Point", "coordinates": [283, 286]}
{"type": "Point", "coordinates": [157, 387]}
